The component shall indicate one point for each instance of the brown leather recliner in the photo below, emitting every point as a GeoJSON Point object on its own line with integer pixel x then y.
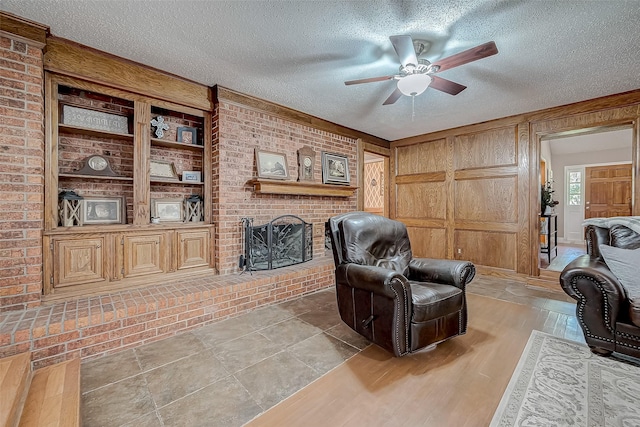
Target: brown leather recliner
{"type": "Point", "coordinates": [604, 306]}
{"type": "Point", "coordinates": [398, 302]}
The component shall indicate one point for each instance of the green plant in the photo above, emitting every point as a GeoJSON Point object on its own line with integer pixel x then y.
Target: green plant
{"type": "Point", "coordinates": [546, 196]}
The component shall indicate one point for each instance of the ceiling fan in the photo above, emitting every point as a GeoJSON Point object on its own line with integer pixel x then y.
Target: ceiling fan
{"type": "Point", "coordinates": [417, 74]}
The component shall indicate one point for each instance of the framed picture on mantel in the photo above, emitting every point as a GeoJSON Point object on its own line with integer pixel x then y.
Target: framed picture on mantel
{"type": "Point", "coordinates": [271, 165]}
{"type": "Point", "coordinates": [335, 169]}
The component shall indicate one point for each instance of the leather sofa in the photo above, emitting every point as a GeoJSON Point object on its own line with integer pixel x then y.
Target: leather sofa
{"type": "Point", "coordinates": [401, 303]}
{"type": "Point", "coordinates": [608, 313]}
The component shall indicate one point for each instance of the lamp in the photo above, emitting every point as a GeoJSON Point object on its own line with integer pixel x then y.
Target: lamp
{"type": "Point", "coordinates": [414, 84]}
{"type": "Point", "coordinates": [193, 208]}
{"type": "Point", "coordinates": [69, 208]}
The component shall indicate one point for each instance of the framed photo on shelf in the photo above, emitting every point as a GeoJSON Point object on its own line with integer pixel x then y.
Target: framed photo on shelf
{"type": "Point", "coordinates": [167, 210]}
{"type": "Point", "coordinates": [163, 169]}
{"type": "Point", "coordinates": [271, 165]}
{"type": "Point", "coordinates": [102, 210]}
{"type": "Point", "coordinates": [192, 176]}
{"type": "Point", "coordinates": [335, 169]}
{"type": "Point", "coordinates": [187, 135]}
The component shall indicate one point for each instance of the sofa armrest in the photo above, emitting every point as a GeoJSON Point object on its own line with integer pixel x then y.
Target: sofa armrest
{"type": "Point", "coordinates": [378, 280]}
{"type": "Point", "coordinates": [445, 271]}
{"type": "Point", "coordinates": [599, 294]}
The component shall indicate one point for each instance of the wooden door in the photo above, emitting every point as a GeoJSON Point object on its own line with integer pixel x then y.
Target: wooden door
{"type": "Point", "coordinates": [78, 261]}
{"type": "Point", "coordinates": [193, 249]}
{"type": "Point", "coordinates": [608, 191]}
{"type": "Point", "coordinates": [144, 254]}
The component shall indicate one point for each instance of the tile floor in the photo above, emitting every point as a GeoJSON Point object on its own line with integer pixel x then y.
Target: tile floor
{"type": "Point", "coordinates": [566, 254]}
{"type": "Point", "coordinates": [227, 373]}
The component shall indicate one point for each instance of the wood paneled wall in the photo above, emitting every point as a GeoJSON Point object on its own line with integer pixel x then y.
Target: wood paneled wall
{"type": "Point", "coordinates": [472, 192]}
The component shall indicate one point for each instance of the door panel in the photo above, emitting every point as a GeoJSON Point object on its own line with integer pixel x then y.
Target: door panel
{"type": "Point", "coordinates": [574, 212]}
{"type": "Point", "coordinates": [193, 249]}
{"type": "Point", "coordinates": [608, 191]}
{"type": "Point", "coordinates": [79, 261]}
{"type": "Point", "coordinates": [144, 254]}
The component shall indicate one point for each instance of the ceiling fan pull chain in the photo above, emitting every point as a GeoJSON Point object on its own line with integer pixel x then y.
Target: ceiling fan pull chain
{"type": "Point", "coordinates": [413, 107]}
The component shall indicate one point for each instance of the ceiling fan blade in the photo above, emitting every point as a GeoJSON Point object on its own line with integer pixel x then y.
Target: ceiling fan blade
{"type": "Point", "coordinates": [447, 86]}
{"type": "Point", "coordinates": [467, 56]}
{"type": "Point", "coordinates": [405, 50]}
{"type": "Point", "coordinates": [393, 97]}
{"type": "Point", "coordinates": [369, 80]}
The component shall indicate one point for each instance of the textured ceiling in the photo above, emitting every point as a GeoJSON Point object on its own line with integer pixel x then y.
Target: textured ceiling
{"type": "Point", "coordinates": [299, 53]}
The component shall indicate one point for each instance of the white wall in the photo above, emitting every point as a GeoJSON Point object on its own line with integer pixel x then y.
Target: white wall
{"type": "Point", "coordinates": [590, 158]}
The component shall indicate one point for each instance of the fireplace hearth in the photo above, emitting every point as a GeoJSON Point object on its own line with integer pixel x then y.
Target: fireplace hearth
{"type": "Point", "coordinates": [286, 240]}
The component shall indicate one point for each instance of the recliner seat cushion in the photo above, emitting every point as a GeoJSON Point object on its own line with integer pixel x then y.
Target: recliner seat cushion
{"type": "Point", "coordinates": [433, 300]}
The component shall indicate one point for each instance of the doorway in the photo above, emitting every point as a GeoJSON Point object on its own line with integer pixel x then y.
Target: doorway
{"type": "Point", "coordinates": [576, 161]}
{"type": "Point", "coordinates": [374, 183]}
{"type": "Point", "coordinates": [373, 178]}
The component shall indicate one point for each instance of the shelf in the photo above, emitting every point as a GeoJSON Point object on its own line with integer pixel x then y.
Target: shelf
{"type": "Point", "coordinates": [174, 181]}
{"type": "Point", "coordinates": [108, 178]}
{"type": "Point", "coordinates": [117, 228]}
{"type": "Point", "coordinates": [272, 186]}
{"type": "Point", "coordinates": [173, 144]}
{"type": "Point", "coordinates": [93, 132]}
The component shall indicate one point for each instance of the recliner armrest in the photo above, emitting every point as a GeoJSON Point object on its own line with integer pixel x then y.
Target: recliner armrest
{"type": "Point", "coordinates": [445, 271]}
{"type": "Point", "coordinates": [598, 292]}
{"type": "Point", "coordinates": [373, 279]}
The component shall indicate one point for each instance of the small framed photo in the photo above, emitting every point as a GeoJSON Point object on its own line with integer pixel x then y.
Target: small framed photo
{"type": "Point", "coordinates": [335, 169]}
{"type": "Point", "coordinates": [187, 135]}
{"type": "Point", "coordinates": [167, 210]}
{"type": "Point", "coordinates": [163, 170]}
{"type": "Point", "coordinates": [272, 165]}
{"type": "Point", "coordinates": [192, 176]}
{"type": "Point", "coordinates": [103, 210]}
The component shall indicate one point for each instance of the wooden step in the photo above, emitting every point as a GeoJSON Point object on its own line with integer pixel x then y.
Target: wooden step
{"type": "Point", "coordinates": [15, 372]}
{"type": "Point", "coordinates": [54, 396]}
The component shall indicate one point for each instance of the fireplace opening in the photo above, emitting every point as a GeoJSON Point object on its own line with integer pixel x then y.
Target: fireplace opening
{"type": "Point", "coordinates": [286, 240]}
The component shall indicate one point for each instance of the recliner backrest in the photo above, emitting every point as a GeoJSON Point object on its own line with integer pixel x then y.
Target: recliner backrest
{"type": "Point", "coordinates": [369, 239]}
{"type": "Point", "coordinates": [618, 236]}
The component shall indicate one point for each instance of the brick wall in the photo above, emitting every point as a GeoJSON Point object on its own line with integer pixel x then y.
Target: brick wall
{"type": "Point", "coordinates": [21, 173]}
{"type": "Point", "coordinates": [240, 131]}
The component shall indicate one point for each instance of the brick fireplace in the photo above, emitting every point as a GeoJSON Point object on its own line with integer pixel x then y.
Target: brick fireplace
{"type": "Point", "coordinates": [93, 325]}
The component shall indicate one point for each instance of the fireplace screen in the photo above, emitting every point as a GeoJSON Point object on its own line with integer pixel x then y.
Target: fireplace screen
{"type": "Point", "coordinates": [287, 240]}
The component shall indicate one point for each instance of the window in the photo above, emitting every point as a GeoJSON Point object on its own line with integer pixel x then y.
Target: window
{"type": "Point", "coordinates": [574, 188]}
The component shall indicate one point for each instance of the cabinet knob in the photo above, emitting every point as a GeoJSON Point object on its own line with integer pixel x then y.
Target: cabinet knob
{"type": "Point", "coordinates": [97, 246]}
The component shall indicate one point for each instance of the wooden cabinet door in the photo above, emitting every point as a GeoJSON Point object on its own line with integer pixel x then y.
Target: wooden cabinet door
{"type": "Point", "coordinates": [144, 254]}
{"type": "Point", "coordinates": [78, 261]}
{"type": "Point", "coordinates": [193, 249]}
{"type": "Point", "coordinates": [608, 191]}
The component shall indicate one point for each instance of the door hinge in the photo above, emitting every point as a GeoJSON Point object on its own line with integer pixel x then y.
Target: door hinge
{"type": "Point", "coordinates": [51, 246]}
{"type": "Point", "coordinates": [51, 280]}
{"type": "Point", "coordinates": [122, 241]}
{"type": "Point", "coordinates": [122, 271]}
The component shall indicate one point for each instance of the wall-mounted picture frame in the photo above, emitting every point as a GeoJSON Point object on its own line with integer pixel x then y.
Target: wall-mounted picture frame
{"type": "Point", "coordinates": [162, 169]}
{"type": "Point", "coordinates": [103, 210]}
{"type": "Point", "coordinates": [335, 169]}
{"type": "Point", "coordinates": [192, 176]}
{"type": "Point", "coordinates": [271, 165]}
{"type": "Point", "coordinates": [187, 135]}
{"type": "Point", "coordinates": [168, 210]}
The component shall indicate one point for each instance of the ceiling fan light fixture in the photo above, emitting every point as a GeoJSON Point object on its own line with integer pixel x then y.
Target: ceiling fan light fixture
{"type": "Point", "coordinates": [414, 84]}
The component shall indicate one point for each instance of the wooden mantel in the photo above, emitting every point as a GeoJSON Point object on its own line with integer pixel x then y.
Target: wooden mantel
{"type": "Point", "coordinates": [274, 186]}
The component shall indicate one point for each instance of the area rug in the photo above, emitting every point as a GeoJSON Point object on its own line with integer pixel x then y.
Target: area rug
{"type": "Point", "coordinates": [561, 383]}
